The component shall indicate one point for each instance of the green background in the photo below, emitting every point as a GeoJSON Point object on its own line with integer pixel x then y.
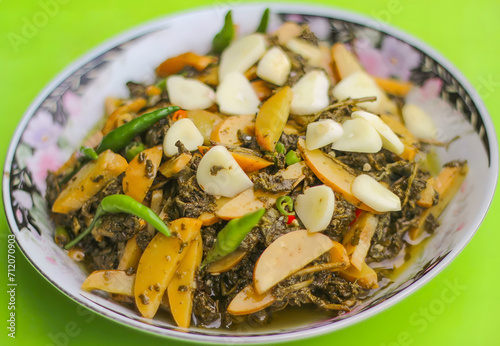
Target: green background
{"type": "Point", "coordinates": [465, 32]}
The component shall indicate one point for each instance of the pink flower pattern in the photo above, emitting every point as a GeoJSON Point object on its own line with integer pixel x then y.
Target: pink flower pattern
{"type": "Point", "coordinates": [400, 57]}
{"type": "Point", "coordinates": [72, 104]}
{"type": "Point", "coordinates": [371, 59]}
{"type": "Point", "coordinates": [41, 162]}
{"type": "Point", "coordinates": [428, 92]}
{"type": "Point", "coordinates": [42, 132]}
{"type": "Point", "coordinates": [431, 88]}
{"type": "Point", "coordinates": [394, 59]}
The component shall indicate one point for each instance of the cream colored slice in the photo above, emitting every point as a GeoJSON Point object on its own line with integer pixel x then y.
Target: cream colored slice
{"type": "Point", "coordinates": [390, 140]}
{"type": "Point", "coordinates": [345, 61]}
{"type": "Point", "coordinates": [286, 255]}
{"type": "Point", "coordinates": [359, 136]}
{"type": "Point", "coordinates": [374, 194]}
{"type": "Point", "coordinates": [315, 207]}
{"type": "Point", "coordinates": [247, 301]}
{"type": "Point", "coordinates": [227, 262]}
{"type": "Point", "coordinates": [287, 31]}
{"type": "Point", "coordinates": [112, 281]}
{"type": "Point", "coordinates": [244, 203]}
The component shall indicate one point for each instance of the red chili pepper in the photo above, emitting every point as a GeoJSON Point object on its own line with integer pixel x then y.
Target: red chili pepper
{"type": "Point", "coordinates": [290, 219]}
{"type": "Point", "coordinates": [357, 213]}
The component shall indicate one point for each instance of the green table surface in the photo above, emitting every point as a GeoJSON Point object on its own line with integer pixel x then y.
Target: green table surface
{"type": "Point", "coordinates": [465, 32]}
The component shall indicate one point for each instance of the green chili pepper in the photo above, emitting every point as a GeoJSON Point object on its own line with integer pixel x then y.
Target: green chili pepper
{"type": "Point", "coordinates": [133, 149]}
{"type": "Point", "coordinates": [231, 236]}
{"type": "Point", "coordinates": [122, 204]}
{"type": "Point", "coordinates": [262, 28]}
{"type": "Point", "coordinates": [225, 36]}
{"type": "Point", "coordinates": [284, 202]}
{"type": "Point", "coordinates": [162, 84]}
{"type": "Point", "coordinates": [292, 157]}
{"type": "Point", "coordinates": [280, 148]}
{"type": "Point", "coordinates": [89, 153]}
{"type": "Point", "coordinates": [120, 137]}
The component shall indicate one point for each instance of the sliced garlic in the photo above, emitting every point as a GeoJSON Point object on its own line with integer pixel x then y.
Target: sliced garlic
{"type": "Point", "coordinates": [310, 93]}
{"type": "Point", "coordinates": [236, 96]}
{"type": "Point", "coordinates": [359, 84]}
{"type": "Point", "coordinates": [242, 54]}
{"type": "Point", "coordinates": [390, 140]}
{"type": "Point", "coordinates": [418, 122]}
{"type": "Point", "coordinates": [183, 130]}
{"type": "Point", "coordinates": [322, 132]}
{"type": "Point", "coordinates": [307, 50]}
{"type": "Point", "coordinates": [219, 174]}
{"type": "Point", "coordinates": [374, 194]}
{"type": "Point", "coordinates": [359, 136]}
{"type": "Point", "coordinates": [315, 207]}
{"type": "Point", "coordinates": [275, 66]}
{"type": "Point", "coordinates": [189, 93]}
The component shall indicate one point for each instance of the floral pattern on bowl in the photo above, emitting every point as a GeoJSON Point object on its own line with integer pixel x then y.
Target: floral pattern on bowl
{"type": "Point", "coordinates": [72, 104]}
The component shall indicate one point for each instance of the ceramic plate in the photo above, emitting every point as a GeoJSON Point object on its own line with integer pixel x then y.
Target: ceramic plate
{"type": "Point", "coordinates": [71, 105]}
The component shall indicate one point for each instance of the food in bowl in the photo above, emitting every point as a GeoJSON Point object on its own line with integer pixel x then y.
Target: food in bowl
{"type": "Point", "coordinates": [272, 171]}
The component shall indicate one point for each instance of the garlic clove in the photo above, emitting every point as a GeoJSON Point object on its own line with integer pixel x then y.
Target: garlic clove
{"type": "Point", "coordinates": [357, 85]}
{"type": "Point", "coordinates": [359, 136]}
{"type": "Point", "coordinates": [310, 93]}
{"type": "Point", "coordinates": [315, 207]}
{"type": "Point", "coordinates": [322, 132]}
{"type": "Point", "coordinates": [242, 54]}
{"type": "Point", "coordinates": [219, 174]}
{"type": "Point", "coordinates": [183, 130]}
{"type": "Point", "coordinates": [307, 50]}
{"type": "Point", "coordinates": [418, 122]}
{"type": "Point", "coordinates": [236, 96]}
{"type": "Point", "coordinates": [390, 140]}
{"type": "Point", "coordinates": [274, 67]}
{"type": "Point", "coordinates": [374, 194]}
{"type": "Point", "coordinates": [189, 93]}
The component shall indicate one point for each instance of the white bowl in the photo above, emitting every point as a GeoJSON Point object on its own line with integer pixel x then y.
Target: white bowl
{"type": "Point", "coordinates": [72, 104]}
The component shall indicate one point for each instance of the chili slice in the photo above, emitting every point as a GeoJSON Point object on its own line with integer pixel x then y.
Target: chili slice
{"type": "Point", "coordinates": [284, 202]}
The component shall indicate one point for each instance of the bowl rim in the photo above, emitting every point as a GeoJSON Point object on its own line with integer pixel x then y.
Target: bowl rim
{"type": "Point", "coordinates": [293, 8]}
